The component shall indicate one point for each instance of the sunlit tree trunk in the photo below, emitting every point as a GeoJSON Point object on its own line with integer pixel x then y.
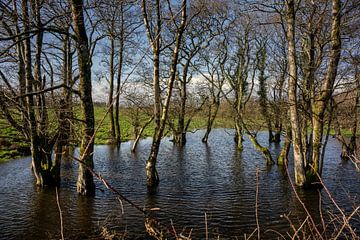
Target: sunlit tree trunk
{"type": "Point", "coordinates": [321, 102]}
{"type": "Point", "coordinates": [160, 114]}
{"type": "Point", "coordinates": [292, 90]}
{"type": "Point", "coordinates": [85, 183]}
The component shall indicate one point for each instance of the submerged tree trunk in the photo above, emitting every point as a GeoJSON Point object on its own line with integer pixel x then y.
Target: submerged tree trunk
{"type": "Point", "coordinates": [120, 69]}
{"type": "Point", "coordinates": [238, 134]}
{"type": "Point", "coordinates": [283, 157]}
{"type": "Point", "coordinates": [85, 183]}
{"type": "Point", "coordinates": [262, 92]}
{"type": "Point", "coordinates": [212, 113]}
{"type": "Point", "coordinates": [356, 111]}
{"type": "Point", "coordinates": [265, 151]}
{"type": "Point", "coordinates": [111, 91]}
{"type": "Point", "coordinates": [300, 178]}
{"type": "Point", "coordinates": [40, 149]}
{"type": "Point", "coordinates": [180, 134]}
{"type": "Point", "coordinates": [278, 129]}
{"type": "Point", "coordinates": [160, 116]}
{"type": "Point", "coordinates": [321, 102]}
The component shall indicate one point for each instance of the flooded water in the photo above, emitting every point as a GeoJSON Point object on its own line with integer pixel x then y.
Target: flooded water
{"type": "Point", "coordinates": [199, 178]}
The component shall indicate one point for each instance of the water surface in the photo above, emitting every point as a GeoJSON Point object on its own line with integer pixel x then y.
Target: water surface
{"type": "Point", "coordinates": [196, 179]}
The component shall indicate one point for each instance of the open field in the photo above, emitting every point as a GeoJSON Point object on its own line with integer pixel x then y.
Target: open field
{"type": "Point", "coordinates": [12, 144]}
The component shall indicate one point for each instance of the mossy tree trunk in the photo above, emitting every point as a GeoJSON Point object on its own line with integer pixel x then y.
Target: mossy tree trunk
{"type": "Point", "coordinates": [262, 92]}
{"type": "Point", "coordinates": [85, 183]}
{"type": "Point", "coordinates": [322, 100]}
{"type": "Point", "coordinates": [238, 138]}
{"type": "Point", "coordinates": [41, 145]}
{"type": "Point", "coordinates": [283, 156]}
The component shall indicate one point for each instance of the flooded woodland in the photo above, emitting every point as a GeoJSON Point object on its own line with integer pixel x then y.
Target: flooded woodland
{"type": "Point", "coordinates": [154, 119]}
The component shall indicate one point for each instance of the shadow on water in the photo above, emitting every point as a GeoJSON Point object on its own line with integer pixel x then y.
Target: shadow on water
{"type": "Point", "coordinates": [212, 178]}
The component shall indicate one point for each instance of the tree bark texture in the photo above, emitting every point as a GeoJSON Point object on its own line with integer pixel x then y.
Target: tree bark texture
{"type": "Point", "coordinates": [322, 100]}
{"type": "Point", "coordinates": [160, 114]}
{"type": "Point", "coordinates": [300, 178]}
{"type": "Point", "coordinates": [85, 183]}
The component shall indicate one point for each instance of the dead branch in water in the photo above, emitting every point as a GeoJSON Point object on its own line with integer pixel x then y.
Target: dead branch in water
{"type": "Point", "coordinates": [257, 203]}
{"type": "Point", "coordinates": [60, 213]}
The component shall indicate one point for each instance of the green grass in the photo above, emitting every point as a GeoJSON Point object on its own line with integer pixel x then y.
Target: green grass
{"type": "Point", "coordinates": [10, 147]}
{"type": "Point", "coordinates": [127, 131]}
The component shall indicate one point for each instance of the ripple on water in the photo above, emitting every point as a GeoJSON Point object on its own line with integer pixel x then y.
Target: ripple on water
{"type": "Point", "coordinates": [199, 178]}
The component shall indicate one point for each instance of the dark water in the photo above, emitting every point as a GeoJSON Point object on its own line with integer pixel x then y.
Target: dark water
{"type": "Point", "coordinates": [214, 179]}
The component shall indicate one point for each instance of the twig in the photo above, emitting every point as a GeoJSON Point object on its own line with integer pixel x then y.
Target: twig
{"type": "Point", "coordinates": [257, 203]}
{"type": "Point", "coordinates": [302, 204]}
{"type": "Point", "coordinates": [346, 221]}
{"type": "Point", "coordinates": [173, 228]}
{"type": "Point", "coordinates": [292, 226]}
{"type": "Point", "coordinates": [279, 234]}
{"type": "Point", "coordinates": [60, 213]}
{"type": "Point", "coordinates": [321, 214]}
{"type": "Point", "coordinates": [249, 237]}
{"type": "Point", "coordinates": [206, 228]}
{"type": "Point", "coordinates": [296, 232]}
{"type": "Point", "coordinates": [122, 206]}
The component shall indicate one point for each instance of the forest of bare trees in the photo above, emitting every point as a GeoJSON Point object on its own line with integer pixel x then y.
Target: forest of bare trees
{"type": "Point", "coordinates": [295, 63]}
{"type": "Point", "coordinates": [289, 70]}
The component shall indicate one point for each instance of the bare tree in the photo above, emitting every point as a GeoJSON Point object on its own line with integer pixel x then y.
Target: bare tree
{"type": "Point", "coordinates": [154, 32]}
{"type": "Point", "coordinates": [85, 182]}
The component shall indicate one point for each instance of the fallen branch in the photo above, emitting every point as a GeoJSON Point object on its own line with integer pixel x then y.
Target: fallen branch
{"type": "Point", "coordinates": [60, 213]}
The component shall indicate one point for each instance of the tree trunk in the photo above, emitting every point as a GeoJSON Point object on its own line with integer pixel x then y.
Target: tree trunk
{"type": "Point", "coordinates": [238, 133]}
{"type": "Point", "coordinates": [283, 157]}
{"type": "Point", "coordinates": [262, 92]}
{"type": "Point", "coordinates": [111, 92]}
{"type": "Point", "coordinates": [120, 67]}
{"type": "Point", "coordinates": [278, 129]}
{"type": "Point", "coordinates": [356, 111]}
{"type": "Point", "coordinates": [34, 138]}
{"type": "Point", "coordinates": [321, 102]}
{"type": "Point", "coordinates": [138, 134]}
{"type": "Point", "coordinates": [211, 118]}
{"type": "Point", "coordinates": [85, 183]}
{"type": "Point", "coordinates": [292, 89]}
{"type": "Point", "coordinates": [279, 103]}
{"type": "Point", "coordinates": [180, 136]}
{"type": "Point", "coordinates": [161, 117]}
{"type": "Point", "coordinates": [265, 151]}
